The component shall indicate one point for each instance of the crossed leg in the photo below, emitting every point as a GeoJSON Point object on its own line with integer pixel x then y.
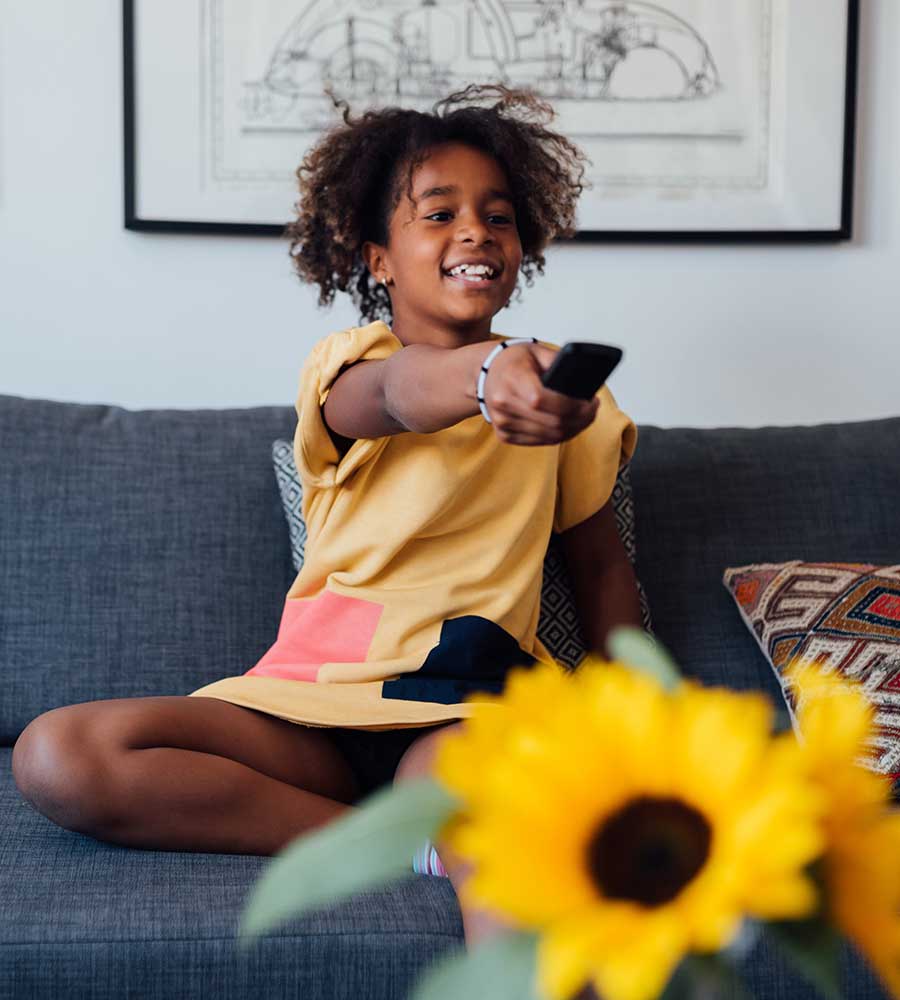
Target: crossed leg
{"type": "Point", "coordinates": [181, 773]}
{"type": "Point", "coordinates": [202, 774]}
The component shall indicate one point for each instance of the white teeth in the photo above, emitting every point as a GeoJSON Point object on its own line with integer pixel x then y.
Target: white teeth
{"type": "Point", "coordinates": [473, 269]}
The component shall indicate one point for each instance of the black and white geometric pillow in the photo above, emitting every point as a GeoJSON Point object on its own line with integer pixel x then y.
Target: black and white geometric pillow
{"type": "Point", "coordinates": [291, 497]}
{"type": "Point", "coordinates": [559, 625]}
{"type": "Point", "coordinates": [559, 628]}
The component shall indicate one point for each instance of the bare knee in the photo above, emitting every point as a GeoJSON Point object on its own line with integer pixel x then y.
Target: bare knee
{"type": "Point", "coordinates": [417, 760]}
{"type": "Point", "coordinates": [56, 767]}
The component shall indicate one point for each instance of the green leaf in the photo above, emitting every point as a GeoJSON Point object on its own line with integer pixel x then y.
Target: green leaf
{"type": "Point", "coordinates": [504, 967]}
{"type": "Point", "coordinates": [813, 948]}
{"type": "Point", "coordinates": [635, 648]}
{"type": "Point", "coordinates": [706, 977]}
{"type": "Point", "coordinates": [369, 846]}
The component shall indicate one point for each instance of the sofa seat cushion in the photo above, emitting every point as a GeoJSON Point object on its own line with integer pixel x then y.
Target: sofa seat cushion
{"type": "Point", "coordinates": [83, 918]}
{"type": "Point", "coordinates": [87, 920]}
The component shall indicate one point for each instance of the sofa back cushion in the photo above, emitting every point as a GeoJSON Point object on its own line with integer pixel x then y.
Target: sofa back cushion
{"type": "Point", "coordinates": [141, 553]}
{"type": "Point", "coordinates": [709, 499]}
{"type": "Point", "coordinates": [146, 552]}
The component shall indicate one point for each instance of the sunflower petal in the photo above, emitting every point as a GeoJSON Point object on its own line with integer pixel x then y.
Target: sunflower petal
{"type": "Point", "coordinates": [863, 878]}
{"type": "Point", "coordinates": [640, 970]}
{"type": "Point", "coordinates": [565, 955]}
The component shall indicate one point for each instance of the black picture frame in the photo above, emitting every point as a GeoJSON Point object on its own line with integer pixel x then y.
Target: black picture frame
{"type": "Point", "coordinates": [844, 231]}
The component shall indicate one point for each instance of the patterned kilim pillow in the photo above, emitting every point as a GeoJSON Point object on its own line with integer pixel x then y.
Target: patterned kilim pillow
{"type": "Point", "coordinates": [845, 616]}
{"type": "Point", "coordinates": [558, 626]}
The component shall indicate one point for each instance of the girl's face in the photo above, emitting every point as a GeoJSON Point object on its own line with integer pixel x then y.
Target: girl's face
{"type": "Point", "coordinates": [461, 213]}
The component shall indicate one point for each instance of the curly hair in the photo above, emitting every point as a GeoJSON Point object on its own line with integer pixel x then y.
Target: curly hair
{"type": "Point", "coordinates": [351, 181]}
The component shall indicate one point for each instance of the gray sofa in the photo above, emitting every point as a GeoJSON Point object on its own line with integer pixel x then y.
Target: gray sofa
{"type": "Point", "coordinates": [145, 553]}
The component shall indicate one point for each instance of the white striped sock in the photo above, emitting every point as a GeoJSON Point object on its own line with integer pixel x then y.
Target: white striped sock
{"type": "Point", "coordinates": [426, 861]}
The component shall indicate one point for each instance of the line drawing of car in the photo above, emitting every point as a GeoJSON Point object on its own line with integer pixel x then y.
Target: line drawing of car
{"type": "Point", "coordinates": [413, 52]}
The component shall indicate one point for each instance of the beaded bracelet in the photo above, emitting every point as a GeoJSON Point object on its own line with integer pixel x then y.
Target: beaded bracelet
{"type": "Point", "coordinates": [479, 390]}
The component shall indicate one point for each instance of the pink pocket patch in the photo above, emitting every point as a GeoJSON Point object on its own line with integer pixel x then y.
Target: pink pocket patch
{"type": "Point", "coordinates": [330, 628]}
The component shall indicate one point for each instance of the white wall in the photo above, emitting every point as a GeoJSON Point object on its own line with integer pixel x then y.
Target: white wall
{"type": "Point", "coordinates": [715, 336]}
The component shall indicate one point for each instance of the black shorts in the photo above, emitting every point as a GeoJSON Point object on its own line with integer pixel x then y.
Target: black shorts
{"type": "Point", "coordinates": [373, 754]}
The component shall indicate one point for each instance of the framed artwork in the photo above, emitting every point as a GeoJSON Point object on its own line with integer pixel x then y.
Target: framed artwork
{"type": "Point", "coordinates": [703, 120]}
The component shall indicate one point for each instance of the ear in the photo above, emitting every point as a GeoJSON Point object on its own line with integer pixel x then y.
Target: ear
{"type": "Point", "coordinates": [375, 257]}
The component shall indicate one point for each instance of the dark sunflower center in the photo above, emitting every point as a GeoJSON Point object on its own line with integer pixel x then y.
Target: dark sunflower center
{"type": "Point", "coordinates": [649, 850]}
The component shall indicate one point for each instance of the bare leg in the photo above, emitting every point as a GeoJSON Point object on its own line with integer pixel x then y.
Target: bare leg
{"type": "Point", "coordinates": [185, 800]}
{"type": "Point", "coordinates": [180, 773]}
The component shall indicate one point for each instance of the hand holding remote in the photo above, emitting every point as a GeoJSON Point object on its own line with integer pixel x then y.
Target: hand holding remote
{"type": "Point", "coordinates": [523, 410]}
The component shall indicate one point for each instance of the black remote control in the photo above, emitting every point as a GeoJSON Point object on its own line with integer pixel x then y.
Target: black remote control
{"type": "Point", "coordinates": [581, 367]}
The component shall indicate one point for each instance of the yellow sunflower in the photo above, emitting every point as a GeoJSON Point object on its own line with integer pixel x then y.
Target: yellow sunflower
{"type": "Point", "coordinates": [628, 825]}
{"type": "Point", "coordinates": [862, 855]}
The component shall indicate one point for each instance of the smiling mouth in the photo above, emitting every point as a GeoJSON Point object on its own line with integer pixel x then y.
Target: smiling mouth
{"type": "Point", "coordinates": [472, 280]}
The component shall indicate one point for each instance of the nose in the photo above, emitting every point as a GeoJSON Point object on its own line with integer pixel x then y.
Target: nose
{"type": "Point", "coordinates": [473, 230]}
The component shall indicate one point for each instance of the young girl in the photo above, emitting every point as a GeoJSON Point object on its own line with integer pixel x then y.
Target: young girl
{"type": "Point", "coordinates": [434, 467]}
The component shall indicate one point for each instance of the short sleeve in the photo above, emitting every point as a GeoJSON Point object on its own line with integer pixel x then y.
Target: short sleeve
{"type": "Point", "coordinates": [590, 462]}
{"type": "Point", "coordinates": [318, 461]}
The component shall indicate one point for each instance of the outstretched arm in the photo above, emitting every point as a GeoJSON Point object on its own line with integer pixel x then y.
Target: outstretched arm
{"type": "Point", "coordinates": [423, 388]}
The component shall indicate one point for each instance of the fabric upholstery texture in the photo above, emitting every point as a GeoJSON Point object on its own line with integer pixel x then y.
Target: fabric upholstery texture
{"type": "Point", "coordinates": [844, 616]}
